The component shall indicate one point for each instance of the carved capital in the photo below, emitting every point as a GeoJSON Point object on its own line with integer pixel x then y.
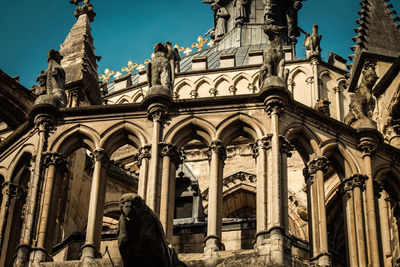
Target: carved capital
{"type": "Point", "coordinates": [56, 159]}
{"type": "Point", "coordinates": [262, 143]}
{"type": "Point", "coordinates": [357, 180]}
{"type": "Point", "coordinates": [144, 153]}
{"type": "Point", "coordinates": [157, 114]}
{"type": "Point", "coordinates": [367, 146]}
{"type": "Point", "coordinates": [13, 190]}
{"type": "Point", "coordinates": [171, 151]}
{"type": "Point", "coordinates": [43, 123]}
{"type": "Point", "coordinates": [319, 163]}
{"type": "Point", "coordinates": [378, 188]}
{"type": "Point", "coordinates": [100, 155]}
{"type": "Point", "coordinates": [274, 106]}
{"type": "Point", "coordinates": [216, 146]}
{"type": "Point", "coordinates": [286, 146]}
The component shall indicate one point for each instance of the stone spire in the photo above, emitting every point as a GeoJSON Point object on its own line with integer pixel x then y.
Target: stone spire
{"type": "Point", "coordinates": [79, 60]}
{"type": "Point", "coordinates": [378, 36]}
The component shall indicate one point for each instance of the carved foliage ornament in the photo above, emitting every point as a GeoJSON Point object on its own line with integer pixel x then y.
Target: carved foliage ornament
{"type": "Point", "coordinates": [216, 146]}
{"type": "Point", "coordinates": [286, 146]}
{"type": "Point", "coordinates": [171, 151]}
{"type": "Point", "coordinates": [13, 190]}
{"type": "Point", "coordinates": [262, 143]}
{"type": "Point", "coordinates": [100, 155]}
{"type": "Point", "coordinates": [318, 164]}
{"type": "Point", "coordinates": [367, 146]}
{"type": "Point", "coordinates": [357, 180]}
{"type": "Point", "coordinates": [55, 159]}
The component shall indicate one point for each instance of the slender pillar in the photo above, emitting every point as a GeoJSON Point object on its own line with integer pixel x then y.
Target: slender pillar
{"type": "Point", "coordinates": [143, 163]}
{"type": "Point", "coordinates": [337, 97]}
{"type": "Point", "coordinates": [275, 225]}
{"type": "Point", "coordinates": [214, 224]}
{"type": "Point", "coordinates": [9, 191]}
{"type": "Point", "coordinates": [96, 207]}
{"type": "Point", "coordinates": [368, 146]}
{"type": "Point", "coordinates": [383, 199]}
{"type": "Point", "coordinates": [170, 160]}
{"type": "Point", "coordinates": [286, 148]}
{"type": "Point", "coordinates": [43, 125]}
{"type": "Point", "coordinates": [156, 114]}
{"type": "Point", "coordinates": [352, 189]}
{"type": "Point", "coordinates": [260, 149]}
{"type": "Point", "coordinates": [314, 64]}
{"type": "Point", "coordinates": [316, 169]}
{"type": "Point", "coordinates": [52, 161]}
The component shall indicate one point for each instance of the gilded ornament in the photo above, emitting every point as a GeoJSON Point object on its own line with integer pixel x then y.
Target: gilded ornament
{"type": "Point", "coordinates": [130, 68]}
{"type": "Point", "coordinates": [107, 75]}
{"type": "Point", "coordinates": [201, 41]}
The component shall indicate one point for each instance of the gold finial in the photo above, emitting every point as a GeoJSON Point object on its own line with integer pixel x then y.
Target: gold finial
{"type": "Point", "coordinates": [200, 43]}
{"type": "Point", "coordinates": [141, 67]}
{"type": "Point", "coordinates": [147, 61]}
{"type": "Point", "coordinates": [117, 75]}
{"type": "Point", "coordinates": [107, 75]}
{"type": "Point", "coordinates": [211, 43]}
{"type": "Point", "coordinates": [187, 51]}
{"type": "Point", "coordinates": [130, 68]}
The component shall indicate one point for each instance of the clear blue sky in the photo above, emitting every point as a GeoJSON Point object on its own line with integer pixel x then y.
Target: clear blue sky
{"type": "Point", "coordinates": [126, 29]}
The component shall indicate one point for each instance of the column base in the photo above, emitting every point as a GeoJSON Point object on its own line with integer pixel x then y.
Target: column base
{"type": "Point", "coordinates": [270, 246]}
{"type": "Point", "coordinates": [323, 260]}
{"type": "Point", "coordinates": [212, 243]}
{"type": "Point", "coordinates": [39, 255]}
{"type": "Point", "coordinates": [23, 253]}
{"type": "Point", "coordinates": [89, 252]}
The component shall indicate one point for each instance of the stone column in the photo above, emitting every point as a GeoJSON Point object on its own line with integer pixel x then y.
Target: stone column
{"type": "Point", "coordinates": [52, 161]}
{"type": "Point", "coordinates": [383, 210]}
{"type": "Point", "coordinates": [170, 160]}
{"type": "Point", "coordinates": [260, 149]}
{"type": "Point", "coordinates": [96, 207]}
{"type": "Point", "coordinates": [43, 126]}
{"type": "Point", "coordinates": [314, 64]}
{"type": "Point", "coordinates": [351, 189]}
{"type": "Point", "coordinates": [318, 224]}
{"type": "Point", "coordinates": [337, 97]}
{"type": "Point", "coordinates": [9, 191]}
{"type": "Point", "coordinates": [286, 152]}
{"type": "Point", "coordinates": [156, 114]}
{"type": "Point", "coordinates": [214, 225]}
{"type": "Point", "coordinates": [143, 164]}
{"type": "Point", "coordinates": [367, 146]}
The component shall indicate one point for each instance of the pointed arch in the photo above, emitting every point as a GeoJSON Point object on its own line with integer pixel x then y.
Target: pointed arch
{"type": "Point", "coordinates": [237, 124]}
{"type": "Point", "coordinates": [190, 128]}
{"type": "Point", "coordinates": [123, 100]}
{"type": "Point", "coordinates": [299, 69]}
{"type": "Point", "coordinates": [26, 149]}
{"type": "Point", "coordinates": [76, 137]}
{"type": "Point", "coordinates": [120, 134]}
{"type": "Point", "coordinates": [221, 78]}
{"type": "Point", "coordinates": [304, 140]}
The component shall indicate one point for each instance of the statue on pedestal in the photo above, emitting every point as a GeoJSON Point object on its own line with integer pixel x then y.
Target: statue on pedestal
{"type": "Point", "coordinates": [241, 13]}
{"type": "Point", "coordinates": [291, 18]}
{"type": "Point", "coordinates": [273, 67]}
{"type": "Point", "coordinates": [53, 80]}
{"type": "Point", "coordinates": [362, 103]}
{"type": "Point", "coordinates": [312, 43]}
{"type": "Point", "coordinates": [221, 17]}
{"type": "Point", "coordinates": [159, 71]}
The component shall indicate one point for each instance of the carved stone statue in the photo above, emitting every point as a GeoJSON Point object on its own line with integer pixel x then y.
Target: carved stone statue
{"type": "Point", "coordinates": [174, 59]}
{"type": "Point", "coordinates": [269, 12]}
{"type": "Point", "coordinates": [362, 103]}
{"type": "Point", "coordinates": [53, 80]}
{"type": "Point", "coordinates": [159, 71]}
{"type": "Point", "coordinates": [141, 239]}
{"type": "Point", "coordinates": [221, 17]}
{"type": "Point", "coordinates": [312, 43]}
{"type": "Point", "coordinates": [322, 106]}
{"type": "Point", "coordinates": [241, 13]}
{"type": "Point", "coordinates": [291, 18]}
{"type": "Point", "coordinates": [274, 57]}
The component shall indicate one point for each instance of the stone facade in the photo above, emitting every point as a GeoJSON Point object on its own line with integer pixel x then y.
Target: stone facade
{"type": "Point", "coordinates": [238, 171]}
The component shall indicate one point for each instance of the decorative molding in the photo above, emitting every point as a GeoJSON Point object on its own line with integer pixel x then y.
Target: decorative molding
{"type": "Point", "coordinates": [318, 164]}
{"type": "Point", "coordinates": [357, 180]}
